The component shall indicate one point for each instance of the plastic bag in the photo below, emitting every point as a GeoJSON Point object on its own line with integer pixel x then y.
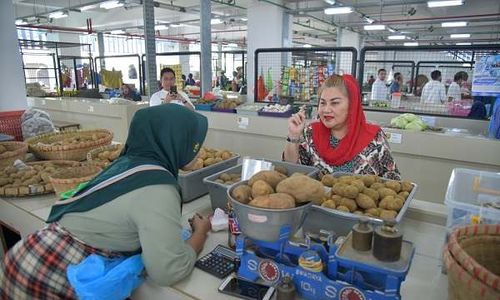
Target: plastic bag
{"type": "Point", "coordinates": [98, 277]}
{"type": "Point", "coordinates": [253, 166]}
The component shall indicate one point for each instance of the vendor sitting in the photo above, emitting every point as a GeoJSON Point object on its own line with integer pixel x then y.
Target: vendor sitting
{"type": "Point", "coordinates": [131, 207]}
{"type": "Point", "coordinates": [169, 92]}
{"type": "Point", "coordinates": [129, 93]}
{"type": "Point", "coordinates": [342, 140]}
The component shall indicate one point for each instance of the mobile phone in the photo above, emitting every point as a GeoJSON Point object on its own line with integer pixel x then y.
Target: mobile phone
{"type": "Point", "coordinates": [246, 289]}
{"type": "Point", "coordinates": [173, 89]}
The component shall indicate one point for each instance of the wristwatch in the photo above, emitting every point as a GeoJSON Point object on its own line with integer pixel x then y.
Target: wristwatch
{"type": "Point", "coordinates": [294, 140]}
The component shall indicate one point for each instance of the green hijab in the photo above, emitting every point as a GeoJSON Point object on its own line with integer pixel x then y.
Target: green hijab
{"type": "Point", "coordinates": [167, 135]}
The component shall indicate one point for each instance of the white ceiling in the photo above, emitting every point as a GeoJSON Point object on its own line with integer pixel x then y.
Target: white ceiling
{"type": "Point", "coordinates": [410, 17]}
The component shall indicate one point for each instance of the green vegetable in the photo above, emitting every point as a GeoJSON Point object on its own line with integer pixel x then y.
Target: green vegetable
{"type": "Point", "coordinates": [408, 121]}
{"type": "Point", "coordinates": [416, 124]}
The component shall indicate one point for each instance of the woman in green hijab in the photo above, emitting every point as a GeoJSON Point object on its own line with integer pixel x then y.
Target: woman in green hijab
{"type": "Point", "coordinates": [132, 206]}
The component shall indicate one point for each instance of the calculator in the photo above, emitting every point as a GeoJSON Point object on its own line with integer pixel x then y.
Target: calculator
{"type": "Point", "coordinates": [219, 262]}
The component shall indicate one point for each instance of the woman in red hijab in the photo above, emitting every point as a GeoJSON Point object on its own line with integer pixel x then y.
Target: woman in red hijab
{"type": "Point", "coordinates": [342, 140]}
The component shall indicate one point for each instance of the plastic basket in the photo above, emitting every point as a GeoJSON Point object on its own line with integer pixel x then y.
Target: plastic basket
{"type": "Point", "coordinates": [459, 108]}
{"type": "Point", "coordinates": [10, 123]}
{"type": "Point", "coordinates": [204, 107]}
{"type": "Point", "coordinates": [218, 191]}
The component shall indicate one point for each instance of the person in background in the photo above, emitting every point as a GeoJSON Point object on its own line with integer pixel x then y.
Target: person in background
{"type": "Point", "coordinates": [183, 81]}
{"type": "Point", "coordinates": [235, 83]}
{"type": "Point", "coordinates": [223, 81]}
{"type": "Point", "coordinates": [454, 90]}
{"type": "Point", "coordinates": [133, 206]}
{"type": "Point", "coordinates": [167, 93]}
{"type": "Point", "coordinates": [190, 80]}
{"type": "Point", "coordinates": [434, 91]}
{"type": "Point", "coordinates": [341, 140]}
{"type": "Point", "coordinates": [371, 80]}
{"type": "Point", "coordinates": [379, 89]}
{"type": "Point", "coordinates": [129, 93]}
{"type": "Point", "coordinates": [397, 83]}
{"type": "Point", "coordinates": [478, 111]}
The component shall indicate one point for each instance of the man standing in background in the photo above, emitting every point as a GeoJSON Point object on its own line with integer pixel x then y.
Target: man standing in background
{"type": "Point", "coordinates": [379, 89]}
{"type": "Point", "coordinates": [434, 91]}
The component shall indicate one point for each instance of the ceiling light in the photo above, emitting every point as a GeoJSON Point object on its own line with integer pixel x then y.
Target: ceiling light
{"type": "Point", "coordinates": [391, 30]}
{"type": "Point", "coordinates": [215, 21]}
{"type": "Point", "coordinates": [338, 10]}
{"type": "Point", "coordinates": [307, 46]}
{"type": "Point", "coordinates": [87, 7]}
{"type": "Point", "coordinates": [444, 3]}
{"type": "Point", "coordinates": [411, 44]}
{"type": "Point", "coordinates": [368, 19]}
{"type": "Point", "coordinates": [232, 45]}
{"type": "Point", "coordinates": [396, 37]}
{"type": "Point", "coordinates": [119, 31]}
{"type": "Point", "coordinates": [331, 2]}
{"type": "Point", "coordinates": [21, 22]}
{"type": "Point", "coordinates": [244, 19]}
{"type": "Point", "coordinates": [460, 36]}
{"type": "Point", "coordinates": [110, 4]}
{"type": "Point", "coordinates": [454, 24]}
{"type": "Point", "coordinates": [374, 27]}
{"type": "Point", "coordinates": [176, 25]}
{"type": "Point", "coordinates": [466, 65]}
{"type": "Point", "coordinates": [161, 27]}
{"type": "Point", "coordinates": [58, 15]}
{"type": "Point", "coordinates": [463, 44]}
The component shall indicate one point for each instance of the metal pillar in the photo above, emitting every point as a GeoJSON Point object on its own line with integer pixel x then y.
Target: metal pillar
{"type": "Point", "coordinates": [206, 46]}
{"type": "Point", "coordinates": [100, 45]}
{"type": "Point", "coordinates": [148, 16]}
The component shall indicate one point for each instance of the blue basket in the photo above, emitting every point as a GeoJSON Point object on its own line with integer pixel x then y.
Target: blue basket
{"type": "Point", "coordinates": [205, 107]}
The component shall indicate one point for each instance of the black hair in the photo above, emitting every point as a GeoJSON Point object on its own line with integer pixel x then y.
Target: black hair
{"type": "Point", "coordinates": [381, 70]}
{"type": "Point", "coordinates": [461, 76]}
{"type": "Point", "coordinates": [397, 75]}
{"type": "Point", "coordinates": [166, 70]}
{"type": "Point", "coordinates": [190, 75]}
{"type": "Point", "coordinates": [435, 74]}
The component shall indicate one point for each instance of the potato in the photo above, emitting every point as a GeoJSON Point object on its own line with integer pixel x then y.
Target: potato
{"type": "Point", "coordinates": [358, 212]}
{"type": "Point", "coordinates": [359, 184]}
{"type": "Point", "coordinates": [336, 199]}
{"type": "Point", "coordinates": [406, 186]}
{"type": "Point", "coordinates": [271, 177]}
{"type": "Point", "coordinates": [372, 194]}
{"type": "Point", "coordinates": [242, 193]}
{"type": "Point", "coordinates": [225, 177]}
{"type": "Point", "coordinates": [24, 191]}
{"type": "Point", "coordinates": [400, 199]}
{"type": "Point", "coordinates": [351, 191]}
{"type": "Point", "coordinates": [328, 180]}
{"type": "Point", "coordinates": [278, 200]}
{"type": "Point", "coordinates": [302, 188]}
{"type": "Point", "coordinates": [404, 195]}
{"type": "Point", "coordinates": [235, 176]}
{"type": "Point", "coordinates": [4, 181]}
{"type": "Point", "coordinates": [391, 203]}
{"type": "Point", "coordinates": [384, 192]}
{"type": "Point", "coordinates": [374, 212]}
{"type": "Point", "coordinates": [49, 187]}
{"type": "Point", "coordinates": [365, 201]}
{"type": "Point", "coordinates": [343, 208]}
{"type": "Point", "coordinates": [2, 149]}
{"type": "Point", "coordinates": [388, 214]}
{"type": "Point", "coordinates": [393, 185]}
{"type": "Point", "coordinates": [202, 154]}
{"type": "Point", "coordinates": [346, 179]}
{"type": "Point", "coordinates": [261, 188]}
{"type": "Point", "coordinates": [349, 203]}
{"type": "Point", "coordinates": [368, 180]}
{"type": "Point", "coordinates": [226, 155]}
{"type": "Point", "coordinates": [281, 169]}
{"type": "Point", "coordinates": [217, 160]}
{"type": "Point", "coordinates": [198, 164]}
{"type": "Point", "coordinates": [297, 174]}
{"type": "Point", "coordinates": [329, 204]}
{"type": "Point", "coordinates": [209, 161]}
{"type": "Point", "coordinates": [338, 188]}
{"type": "Point", "coordinates": [377, 185]}
{"type": "Point", "coordinates": [114, 155]}
{"type": "Point", "coordinates": [220, 181]}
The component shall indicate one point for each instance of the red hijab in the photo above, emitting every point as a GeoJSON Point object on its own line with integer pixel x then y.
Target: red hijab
{"type": "Point", "coordinates": [359, 133]}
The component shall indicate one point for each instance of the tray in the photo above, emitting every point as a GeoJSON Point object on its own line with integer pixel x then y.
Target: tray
{"type": "Point", "coordinates": [191, 183]}
{"type": "Point", "coordinates": [341, 223]}
{"type": "Point", "coordinates": [218, 191]}
{"type": "Point", "coordinates": [204, 107]}
{"type": "Point", "coordinates": [285, 114]}
{"type": "Point", "coordinates": [225, 110]}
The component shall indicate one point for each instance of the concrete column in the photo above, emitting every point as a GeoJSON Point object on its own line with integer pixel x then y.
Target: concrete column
{"type": "Point", "coordinates": [184, 59]}
{"type": "Point", "coordinates": [268, 27]}
{"type": "Point", "coordinates": [206, 46]}
{"type": "Point", "coordinates": [13, 95]}
{"type": "Point", "coordinates": [148, 15]}
{"type": "Point", "coordinates": [219, 58]}
{"type": "Point", "coordinates": [346, 38]}
{"type": "Point", "coordinates": [100, 45]}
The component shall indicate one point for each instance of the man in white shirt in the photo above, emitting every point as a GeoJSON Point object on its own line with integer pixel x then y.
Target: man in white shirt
{"type": "Point", "coordinates": [434, 91]}
{"type": "Point", "coordinates": [454, 90]}
{"type": "Point", "coordinates": [379, 89]}
{"type": "Point", "coordinates": [168, 93]}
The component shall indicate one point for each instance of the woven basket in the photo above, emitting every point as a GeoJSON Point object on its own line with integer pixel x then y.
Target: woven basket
{"type": "Point", "coordinates": [472, 258]}
{"type": "Point", "coordinates": [92, 156]}
{"type": "Point", "coordinates": [43, 148]}
{"type": "Point", "coordinates": [15, 150]}
{"type": "Point", "coordinates": [70, 178]}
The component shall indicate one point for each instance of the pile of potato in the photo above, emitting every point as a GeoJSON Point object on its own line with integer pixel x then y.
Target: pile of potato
{"type": "Point", "coordinates": [227, 104]}
{"type": "Point", "coordinates": [65, 140]}
{"type": "Point", "coordinates": [366, 195]}
{"type": "Point", "coordinates": [273, 189]}
{"type": "Point", "coordinates": [5, 151]}
{"type": "Point", "coordinates": [14, 182]}
{"type": "Point", "coordinates": [228, 179]}
{"type": "Point", "coordinates": [208, 157]}
{"type": "Point", "coordinates": [106, 157]}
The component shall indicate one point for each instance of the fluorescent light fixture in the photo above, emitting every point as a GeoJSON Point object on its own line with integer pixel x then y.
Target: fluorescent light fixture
{"type": "Point", "coordinates": [391, 30]}
{"type": "Point", "coordinates": [368, 19]}
{"type": "Point", "coordinates": [307, 46]}
{"type": "Point", "coordinates": [463, 44]}
{"type": "Point", "coordinates": [244, 19]}
{"type": "Point", "coordinates": [396, 37]}
{"type": "Point", "coordinates": [232, 45]}
{"type": "Point", "coordinates": [21, 22]}
{"type": "Point", "coordinates": [338, 10]}
{"type": "Point", "coordinates": [444, 3]}
{"type": "Point", "coordinates": [374, 27]}
{"type": "Point", "coordinates": [454, 24]}
{"type": "Point", "coordinates": [176, 25]}
{"type": "Point", "coordinates": [110, 4]}
{"type": "Point", "coordinates": [331, 2]}
{"type": "Point", "coordinates": [215, 21]}
{"type": "Point", "coordinates": [466, 65]}
{"type": "Point", "coordinates": [161, 27]}
{"type": "Point", "coordinates": [411, 44]}
{"type": "Point", "coordinates": [87, 7]}
{"type": "Point", "coordinates": [119, 31]}
{"type": "Point", "coordinates": [58, 15]}
{"type": "Point", "coordinates": [460, 36]}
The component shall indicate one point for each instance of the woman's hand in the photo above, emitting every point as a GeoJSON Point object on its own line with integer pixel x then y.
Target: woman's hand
{"type": "Point", "coordinates": [168, 98]}
{"type": "Point", "coordinates": [200, 224]}
{"type": "Point", "coordinates": [296, 124]}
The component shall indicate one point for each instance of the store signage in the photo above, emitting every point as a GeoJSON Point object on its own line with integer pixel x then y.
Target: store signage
{"type": "Point", "coordinates": [395, 138]}
{"type": "Point", "coordinates": [243, 122]}
{"type": "Point", "coordinates": [486, 77]}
